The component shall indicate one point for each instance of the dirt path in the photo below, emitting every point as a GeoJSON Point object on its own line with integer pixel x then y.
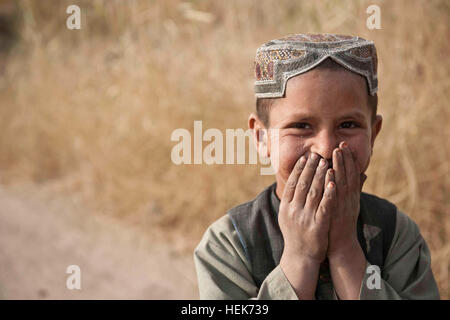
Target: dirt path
{"type": "Point", "coordinates": [39, 238]}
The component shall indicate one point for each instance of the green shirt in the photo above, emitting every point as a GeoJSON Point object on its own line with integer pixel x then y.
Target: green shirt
{"type": "Point", "coordinates": [224, 271]}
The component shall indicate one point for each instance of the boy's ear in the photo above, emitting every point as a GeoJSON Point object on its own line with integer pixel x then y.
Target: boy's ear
{"type": "Point", "coordinates": [376, 128]}
{"type": "Point", "coordinates": [260, 136]}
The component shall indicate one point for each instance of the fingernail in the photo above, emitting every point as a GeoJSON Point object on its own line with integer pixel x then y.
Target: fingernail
{"type": "Point", "coordinates": [322, 163]}
{"type": "Point", "coordinates": [344, 145]}
{"type": "Point", "coordinates": [313, 156]}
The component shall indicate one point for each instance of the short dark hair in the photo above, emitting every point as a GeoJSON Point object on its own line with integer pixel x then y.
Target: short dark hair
{"type": "Point", "coordinates": [263, 105]}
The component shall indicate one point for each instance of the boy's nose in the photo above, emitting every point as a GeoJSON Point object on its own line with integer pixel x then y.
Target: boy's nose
{"type": "Point", "coordinates": [324, 146]}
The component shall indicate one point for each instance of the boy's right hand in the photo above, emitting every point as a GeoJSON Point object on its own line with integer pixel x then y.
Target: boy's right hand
{"type": "Point", "coordinates": [304, 219]}
{"type": "Point", "coordinates": [304, 214]}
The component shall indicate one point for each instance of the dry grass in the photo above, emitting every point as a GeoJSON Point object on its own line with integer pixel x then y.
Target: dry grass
{"type": "Point", "coordinates": [91, 111]}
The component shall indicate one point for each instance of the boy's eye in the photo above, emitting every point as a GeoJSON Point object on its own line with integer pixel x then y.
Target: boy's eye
{"type": "Point", "coordinates": [349, 125]}
{"type": "Point", "coordinates": [301, 125]}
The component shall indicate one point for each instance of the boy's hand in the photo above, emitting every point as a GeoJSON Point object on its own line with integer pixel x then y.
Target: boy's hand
{"type": "Point", "coordinates": [305, 211]}
{"type": "Point", "coordinates": [304, 219]}
{"type": "Point", "coordinates": [347, 260]}
{"type": "Point", "coordinates": [344, 217]}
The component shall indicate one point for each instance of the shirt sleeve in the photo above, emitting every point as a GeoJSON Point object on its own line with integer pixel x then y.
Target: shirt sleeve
{"type": "Point", "coordinates": [407, 273]}
{"type": "Point", "coordinates": [223, 269]}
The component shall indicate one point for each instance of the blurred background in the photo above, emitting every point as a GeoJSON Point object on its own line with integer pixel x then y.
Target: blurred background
{"type": "Point", "coordinates": [86, 118]}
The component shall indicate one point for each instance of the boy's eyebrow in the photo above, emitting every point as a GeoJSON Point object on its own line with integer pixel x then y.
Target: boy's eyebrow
{"type": "Point", "coordinates": [299, 117]}
{"type": "Point", "coordinates": [354, 114]}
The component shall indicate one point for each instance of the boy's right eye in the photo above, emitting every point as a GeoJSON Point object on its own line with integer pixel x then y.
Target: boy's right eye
{"type": "Point", "coordinates": [300, 125]}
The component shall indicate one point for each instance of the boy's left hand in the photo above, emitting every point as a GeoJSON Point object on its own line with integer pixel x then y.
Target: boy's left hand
{"type": "Point", "coordinates": [349, 181]}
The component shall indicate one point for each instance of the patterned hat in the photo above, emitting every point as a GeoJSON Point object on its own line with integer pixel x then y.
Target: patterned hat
{"type": "Point", "coordinates": [279, 60]}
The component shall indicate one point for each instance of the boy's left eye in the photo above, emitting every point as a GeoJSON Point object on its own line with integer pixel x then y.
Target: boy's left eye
{"type": "Point", "coordinates": [349, 125]}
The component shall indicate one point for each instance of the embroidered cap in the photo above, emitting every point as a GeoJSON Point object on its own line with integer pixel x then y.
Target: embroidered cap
{"type": "Point", "coordinates": [279, 60]}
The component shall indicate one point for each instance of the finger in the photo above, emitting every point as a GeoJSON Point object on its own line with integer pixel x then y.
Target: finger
{"type": "Point", "coordinates": [339, 170]}
{"type": "Point", "coordinates": [315, 192]}
{"type": "Point", "coordinates": [360, 174]}
{"type": "Point", "coordinates": [291, 184]}
{"type": "Point", "coordinates": [353, 154]}
{"type": "Point", "coordinates": [349, 164]}
{"type": "Point", "coordinates": [304, 182]}
{"type": "Point", "coordinates": [327, 204]}
{"type": "Point", "coordinates": [329, 177]}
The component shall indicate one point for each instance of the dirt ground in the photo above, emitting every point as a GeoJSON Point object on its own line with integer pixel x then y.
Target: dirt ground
{"type": "Point", "coordinates": [40, 236]}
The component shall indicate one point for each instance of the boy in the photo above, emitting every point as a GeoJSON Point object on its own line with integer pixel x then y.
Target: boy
{"type": "Point", "coordinates": [313, 234]}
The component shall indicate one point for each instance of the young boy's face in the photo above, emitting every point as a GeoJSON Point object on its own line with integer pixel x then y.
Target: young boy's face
{"type": "Point", "coordinates": [321, 109]}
